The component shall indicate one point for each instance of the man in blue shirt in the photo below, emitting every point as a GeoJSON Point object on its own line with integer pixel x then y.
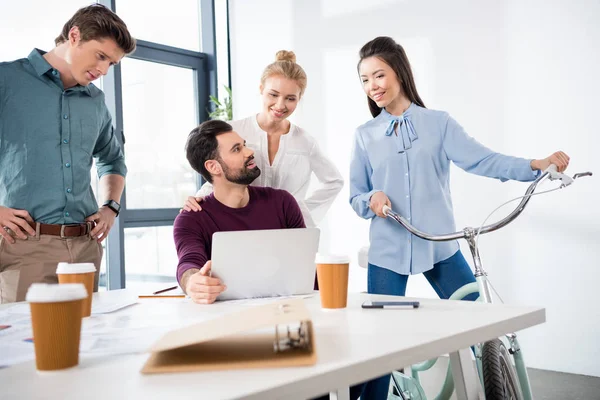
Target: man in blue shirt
{"type": "Point", "coordinates": [52, 123]}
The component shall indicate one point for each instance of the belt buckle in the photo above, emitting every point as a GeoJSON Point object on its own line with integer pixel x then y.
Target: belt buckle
{"type": "Point", "coordinates": [62, 230]}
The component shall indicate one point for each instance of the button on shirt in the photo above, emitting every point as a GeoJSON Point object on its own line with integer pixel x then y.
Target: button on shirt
{"type": "Point", "coordinates": [48, 137]}
{"type": "Point", "coordinates": [408, 158]}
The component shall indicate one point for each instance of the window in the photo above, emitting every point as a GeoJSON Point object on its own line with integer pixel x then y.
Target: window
{"type": "Point", "coordinates": [158, 95]}
{"type": "Point", "coordinates": [35, 29]}
{"type": "Point", "coordinates": [172, 23]}
{"type": "Point", "coordinates": [159, 111]}
{"type": "Point", "coordinates": [150, 256]}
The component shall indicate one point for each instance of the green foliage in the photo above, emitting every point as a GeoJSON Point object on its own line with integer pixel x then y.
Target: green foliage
{"type": "Point", "coordinates": [222, 110]}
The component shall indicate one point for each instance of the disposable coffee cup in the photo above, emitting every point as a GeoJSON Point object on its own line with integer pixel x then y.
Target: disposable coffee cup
{"type": "Point", "coordinates": [56, 323]}
{"type": "Point", "coordinates": [332, 275]}
{"type": "Point", "coordinates": [83, 273]}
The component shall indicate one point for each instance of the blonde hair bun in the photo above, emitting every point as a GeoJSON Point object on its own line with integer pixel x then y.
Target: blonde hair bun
{"type": "Point", "coordinates": [285, 66]}
{"type": "Point", "coordinates": [284, 55]}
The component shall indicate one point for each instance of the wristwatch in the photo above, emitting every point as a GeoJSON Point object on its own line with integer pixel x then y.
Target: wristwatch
{"type": "Point", "coordinates": [113, 205]}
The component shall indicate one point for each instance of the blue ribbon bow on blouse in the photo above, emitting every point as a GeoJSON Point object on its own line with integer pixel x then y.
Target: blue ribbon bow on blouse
{"type": "Point", "coordinates": [406, 131]}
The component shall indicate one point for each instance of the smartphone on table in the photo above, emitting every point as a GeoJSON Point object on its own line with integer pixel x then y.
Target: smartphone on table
{"type": "Point", "coordinates": [391, 304]}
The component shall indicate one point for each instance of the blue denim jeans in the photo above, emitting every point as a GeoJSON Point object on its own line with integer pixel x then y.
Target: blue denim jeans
{"type": "Point", "coordinates": [445, 278]}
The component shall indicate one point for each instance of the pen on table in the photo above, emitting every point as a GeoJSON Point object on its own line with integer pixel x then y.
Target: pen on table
{"type": "Point", "coordinates": [165, 290]}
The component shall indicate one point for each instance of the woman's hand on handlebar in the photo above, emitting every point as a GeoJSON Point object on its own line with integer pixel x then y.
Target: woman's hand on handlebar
{"type": "Point", "coordinates": [560, 159]}
{"type": "Point", "coordinates": [377, 201]}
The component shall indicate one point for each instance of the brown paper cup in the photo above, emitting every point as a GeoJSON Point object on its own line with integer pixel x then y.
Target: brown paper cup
{"type": "Point", "coordinates": [56, 323]}
{"type": "Point", "coordinates": [332, 275]}
{"type": "Point", "coordinates": [79, 273]}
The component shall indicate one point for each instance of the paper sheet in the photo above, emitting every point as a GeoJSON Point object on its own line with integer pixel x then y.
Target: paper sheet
{"type": "Point", "coordinates": [15, 352]}
{"type": "Point", "coordinates": [98, 307]}
{"type": "Point", "coordinates": [106, 332]}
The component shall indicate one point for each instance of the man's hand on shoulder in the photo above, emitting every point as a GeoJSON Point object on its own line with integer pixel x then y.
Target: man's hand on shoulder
{"type": "Point", "coordinates": [16, 221]}
{"type": "Point", "coordinates": [200, 286]}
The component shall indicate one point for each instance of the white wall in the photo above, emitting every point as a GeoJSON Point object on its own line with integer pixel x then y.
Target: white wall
{"type": "Point", "coordinates": [520, 76]}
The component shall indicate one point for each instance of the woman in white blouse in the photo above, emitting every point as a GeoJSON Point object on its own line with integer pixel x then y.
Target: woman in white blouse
{"type": "Point", "coordinates": [285, 153]}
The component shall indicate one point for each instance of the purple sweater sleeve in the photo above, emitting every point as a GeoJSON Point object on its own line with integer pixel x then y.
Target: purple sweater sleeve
{"type": "Point", "coordinates": [293, 215]}
{"type": "Point", "coordinates": [190, 243]}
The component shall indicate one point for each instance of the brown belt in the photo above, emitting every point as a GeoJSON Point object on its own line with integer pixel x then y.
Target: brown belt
{"type": "Point", "coordinates": [74, 230]}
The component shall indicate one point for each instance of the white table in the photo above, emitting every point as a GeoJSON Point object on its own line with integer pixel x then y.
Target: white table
{"type": "Point", "coordinates": [353, 345]}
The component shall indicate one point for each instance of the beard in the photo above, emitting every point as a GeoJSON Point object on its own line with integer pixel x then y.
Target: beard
{"type": "Point", "coordinates": [245, 176]}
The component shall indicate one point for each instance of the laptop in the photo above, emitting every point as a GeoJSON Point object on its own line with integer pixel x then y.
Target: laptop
{"type": "Point", "coordinates": [265, 263]}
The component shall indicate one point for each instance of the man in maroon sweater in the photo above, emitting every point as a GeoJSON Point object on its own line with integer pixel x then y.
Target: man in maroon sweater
{"type": "Point", "coordinates": [222, 158]}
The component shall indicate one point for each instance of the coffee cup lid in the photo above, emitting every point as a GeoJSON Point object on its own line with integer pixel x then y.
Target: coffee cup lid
{"type": "Point", "coordinates": [331, 259]}
{"type": "Point", "coordinates": [52, 293]}
{"type": "Point", "coordinates": [79, 268]}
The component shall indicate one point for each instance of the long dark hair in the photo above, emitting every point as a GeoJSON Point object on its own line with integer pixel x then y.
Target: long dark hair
{"type": "Point", "coordinates": [386, 49]}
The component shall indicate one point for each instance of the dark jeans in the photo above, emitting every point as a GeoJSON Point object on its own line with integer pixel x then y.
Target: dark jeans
{"type": "Point", "coordinates": [445, 278]}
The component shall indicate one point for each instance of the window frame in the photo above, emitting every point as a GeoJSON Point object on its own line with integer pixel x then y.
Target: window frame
{"type": "Point", "coordinates": [204, 65]}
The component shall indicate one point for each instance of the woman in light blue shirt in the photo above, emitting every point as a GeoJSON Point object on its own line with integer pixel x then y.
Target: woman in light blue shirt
{"type": "Point", "coordinates": [401, 158]}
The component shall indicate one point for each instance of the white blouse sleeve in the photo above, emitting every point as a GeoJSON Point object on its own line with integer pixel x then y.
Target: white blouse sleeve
{"type": "Point", "coordinates": [205, 190]}
{"type": "Point", "coordinates": [319, 201]}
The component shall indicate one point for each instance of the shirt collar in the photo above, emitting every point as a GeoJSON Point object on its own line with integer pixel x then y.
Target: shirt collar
{"type": "Point", "coordinates": [410, 110]}
{"type": "Point", "coordinates": [42, 67]}
{"type": "Point", "coordinates": [405, 130]}
{"type": "Point", "coordinates": [38, 62]}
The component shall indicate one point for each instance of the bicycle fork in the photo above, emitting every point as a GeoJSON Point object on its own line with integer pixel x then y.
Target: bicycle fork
{"type": "Point", "coordinates": [484, 292]}
{"type": "Point", "coordinates": [515, 350]}
{"type": "Point", "coordinates": [480, 274]}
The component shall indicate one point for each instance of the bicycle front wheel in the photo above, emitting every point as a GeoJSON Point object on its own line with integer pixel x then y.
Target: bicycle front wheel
{"type": "Point", "coordinates": [499, 375]}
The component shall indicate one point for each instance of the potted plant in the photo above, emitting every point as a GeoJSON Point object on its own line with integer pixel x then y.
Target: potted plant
{"type": "Point", "coordinates": [222, 110]}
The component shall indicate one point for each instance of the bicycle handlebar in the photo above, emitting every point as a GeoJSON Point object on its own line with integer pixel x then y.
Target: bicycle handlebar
{"type": "Point", "coordinates": [552, 174]}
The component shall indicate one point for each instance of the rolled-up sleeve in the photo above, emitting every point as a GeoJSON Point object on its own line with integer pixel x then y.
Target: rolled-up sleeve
{"type": "Point", "coordinates": [108, 151]}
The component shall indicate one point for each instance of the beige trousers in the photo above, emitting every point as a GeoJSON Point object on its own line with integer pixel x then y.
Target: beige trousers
{"type": "Point", "coordinates": [34, 260]}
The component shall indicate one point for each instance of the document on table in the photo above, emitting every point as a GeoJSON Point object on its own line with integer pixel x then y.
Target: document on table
{"type": "Point", "coordinates": [120, 342]}
{"type": "Point", "coordinates": [15, 352]}
{"type": "Point", "coordinates": [105, 307]}
{"type": "Point", "coordinates": [103, 333]}
{"type": "Point", "coordinates": [98, 307]}
{"type": "Point", "coordinates": [15, 332]}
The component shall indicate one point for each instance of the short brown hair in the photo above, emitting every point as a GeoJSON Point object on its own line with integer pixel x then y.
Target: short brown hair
{"type": "Point", "coordinates": [98, 22]}
{"type": "Point", "coordinates": [202, 145]}
{"type": "Point", "coordinates": [285, 65]}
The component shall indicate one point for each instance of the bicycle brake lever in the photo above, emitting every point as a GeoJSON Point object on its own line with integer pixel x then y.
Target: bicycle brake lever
{"type": "Point", "coordinates": [554, 175]}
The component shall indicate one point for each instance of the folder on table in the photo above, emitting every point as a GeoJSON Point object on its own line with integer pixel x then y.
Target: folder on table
{"type": "Point", "coordinates": [272, 335]}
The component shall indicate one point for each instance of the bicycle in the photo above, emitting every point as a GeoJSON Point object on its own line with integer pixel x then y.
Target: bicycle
{"type": "Point", "coordinates": [500, 366]}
